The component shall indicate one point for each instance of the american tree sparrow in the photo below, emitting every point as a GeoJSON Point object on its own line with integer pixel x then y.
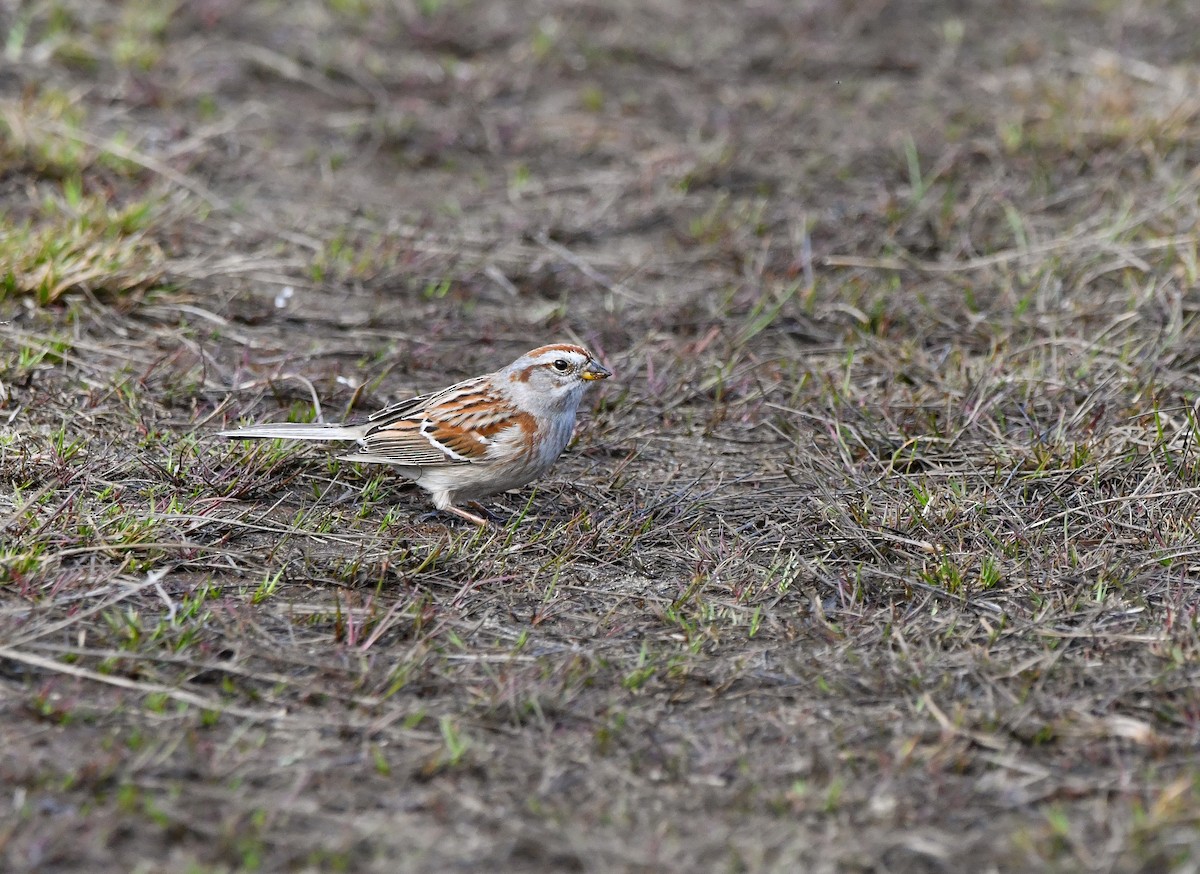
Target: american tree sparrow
{"type": "Point", "coordinates": [489, 434]}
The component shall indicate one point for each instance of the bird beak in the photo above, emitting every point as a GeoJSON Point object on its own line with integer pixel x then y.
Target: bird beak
{"type": "Point", "coordinates": [595, 370]}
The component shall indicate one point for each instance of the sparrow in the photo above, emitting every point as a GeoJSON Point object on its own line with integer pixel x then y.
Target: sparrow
{"type": "Point", "coordinates": [478, 437]}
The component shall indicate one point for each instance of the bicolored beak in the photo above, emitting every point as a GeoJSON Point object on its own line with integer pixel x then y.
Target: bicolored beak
{"type": "Point", "coordinates": [595, 370]}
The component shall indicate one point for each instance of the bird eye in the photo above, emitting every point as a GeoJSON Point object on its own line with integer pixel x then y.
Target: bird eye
{"type": "Point", "coordinates": [561, 365]}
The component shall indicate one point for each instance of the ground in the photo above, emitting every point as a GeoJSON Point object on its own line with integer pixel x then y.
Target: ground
{"type": "Point", "coordinates": [878, 553]}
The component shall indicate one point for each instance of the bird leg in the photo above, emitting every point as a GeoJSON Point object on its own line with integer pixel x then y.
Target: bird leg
{"type": "Point", "coordinates": [463, 514]}
{"type": "Point", "coordinates": [442, 501]}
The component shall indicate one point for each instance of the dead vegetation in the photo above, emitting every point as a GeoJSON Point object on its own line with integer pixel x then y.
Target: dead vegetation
{"type": "Point", "coordinates": [876, 555]}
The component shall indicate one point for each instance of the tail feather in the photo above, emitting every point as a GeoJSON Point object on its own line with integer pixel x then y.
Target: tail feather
{"type": "Point", "coordinates": [373, 458]}
{"type": "Point", "coordinates": [297, 431]}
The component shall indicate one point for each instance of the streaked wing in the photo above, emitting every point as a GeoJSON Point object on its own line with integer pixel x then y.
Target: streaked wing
{"type": "Point", "coordinates": [462, 424]}
{"type": "Point", "coordinates": [401, 409]}
{"type": "Point", "coordinates": [404, 443]}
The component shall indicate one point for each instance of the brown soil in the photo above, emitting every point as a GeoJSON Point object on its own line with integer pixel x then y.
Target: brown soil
{"type": "Point", "coordinates": [878, 553]}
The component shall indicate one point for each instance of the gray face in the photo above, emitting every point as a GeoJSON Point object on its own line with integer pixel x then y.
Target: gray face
{"type": "Point", "coordinates": [552, 378]}
{"type": "Point", "coordinates": [549, 383]}
{"type": "Point", "coordinates": [562, 372]}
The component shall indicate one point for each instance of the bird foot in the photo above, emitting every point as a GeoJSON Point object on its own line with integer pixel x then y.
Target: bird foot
{"type": "Point", "coordinates": [457, 511]}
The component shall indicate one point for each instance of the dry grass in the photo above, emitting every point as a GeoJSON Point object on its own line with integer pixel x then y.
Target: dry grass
{"type": "Point", "coordinates": [878, 554]}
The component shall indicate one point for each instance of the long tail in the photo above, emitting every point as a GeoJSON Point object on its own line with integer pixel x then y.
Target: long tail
{"type": "Point", "coordinates": [297, 431]}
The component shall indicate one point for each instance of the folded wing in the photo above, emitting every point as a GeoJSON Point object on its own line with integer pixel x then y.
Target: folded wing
{"type": "Point", "coordinates": [463, 424]}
